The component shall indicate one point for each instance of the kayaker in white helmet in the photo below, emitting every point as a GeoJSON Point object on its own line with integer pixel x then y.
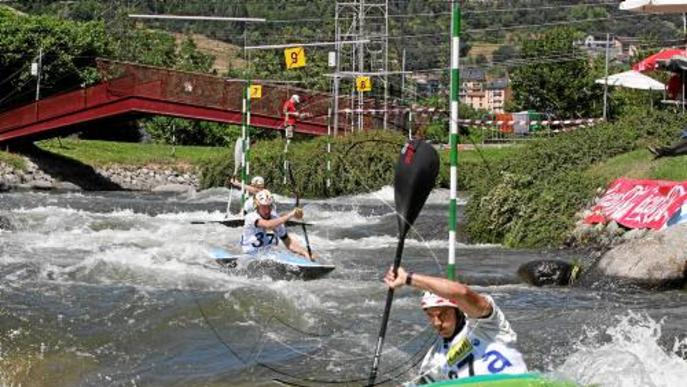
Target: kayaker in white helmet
{"type": "Point", "coordinates": [263, 228]}
{"type": "Point", "coordinates": [474, 336]}
{"type": "Point", "coordinates": [257, 184]}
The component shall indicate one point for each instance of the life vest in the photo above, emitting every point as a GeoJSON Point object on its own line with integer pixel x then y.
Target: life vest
{"type": "Point", "coordinates": [256, 239]}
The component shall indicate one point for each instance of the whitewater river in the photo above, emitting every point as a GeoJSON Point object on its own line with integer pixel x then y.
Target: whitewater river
{"type": "Point", "coordinates": [116, 289]}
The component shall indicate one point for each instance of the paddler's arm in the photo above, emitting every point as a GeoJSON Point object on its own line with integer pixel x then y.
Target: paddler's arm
{"type": "Point", "coordinates": [297, 248]}
{"type": "Point", "coordinates": [249, 188]}
{"type": "Point", "coordinates": [271, 224]}
{"type": "Point", "coordinates": [473, 304]}
{"type": "Point", "coordinates": [252, 190]}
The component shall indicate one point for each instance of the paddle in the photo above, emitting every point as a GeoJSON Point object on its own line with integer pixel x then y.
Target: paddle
{"type": "Point", "coordinates": [298, 199]}
{"type": "Point", "coordinates": [238, 222]}
{"type": "Point", "coordinates": [238, 157]}
{"type": "Point", "coordinates": [416, 172]}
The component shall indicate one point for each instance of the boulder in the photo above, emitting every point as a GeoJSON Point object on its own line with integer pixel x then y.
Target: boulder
{"type": "Point", "coordinates": [5, 223]}
{"type": "Point", "coordinates": [41, 185]}
{"type": "Point", "coordinates": [67, 186]}
{"type": "Point", "coordinates": [656, 260]}
{"type": "Point", "coordinates": [547, 272]}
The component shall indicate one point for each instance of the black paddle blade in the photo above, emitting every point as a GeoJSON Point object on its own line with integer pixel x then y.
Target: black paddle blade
{"type": "Point", "coordinates": [233, 223]}
{"type": "Point", "coordinates": [416, 173]}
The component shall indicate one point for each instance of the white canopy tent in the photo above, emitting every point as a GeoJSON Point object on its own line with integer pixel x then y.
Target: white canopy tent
{"type": "Point", "coordinates": [655, 6]}
{"type": "Point", "coordinates": [632, 80]}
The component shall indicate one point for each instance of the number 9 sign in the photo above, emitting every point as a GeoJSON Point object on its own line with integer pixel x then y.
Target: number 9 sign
{"type": "Point", "coordinates": [294, 57]}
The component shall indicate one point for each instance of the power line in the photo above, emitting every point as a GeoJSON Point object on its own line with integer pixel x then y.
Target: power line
{"type": "Point", "coordinates": [609, 18]}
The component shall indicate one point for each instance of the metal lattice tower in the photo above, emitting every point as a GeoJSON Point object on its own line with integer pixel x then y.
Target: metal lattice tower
{"type": "Point", "coordinates": [362, 20]}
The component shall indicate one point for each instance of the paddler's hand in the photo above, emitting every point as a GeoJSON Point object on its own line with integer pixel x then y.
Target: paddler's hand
{"type": "Point", "coordinates": [314, 256]}
{"type": "Point", "coordinates": [296, 213]}
{"type": "Point", "coordinates": [394, 281]}
{"type": "Point", "coordinates": [234, 182]}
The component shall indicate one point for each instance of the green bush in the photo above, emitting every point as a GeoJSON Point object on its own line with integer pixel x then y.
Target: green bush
{"type": "Point", "coordinates": [531, 199]}
{"type": "Point", "coordinates": [360, 163]}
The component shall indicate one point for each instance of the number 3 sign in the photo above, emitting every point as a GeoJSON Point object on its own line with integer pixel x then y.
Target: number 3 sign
{"type": "Point", "coordinates": [294, 57]}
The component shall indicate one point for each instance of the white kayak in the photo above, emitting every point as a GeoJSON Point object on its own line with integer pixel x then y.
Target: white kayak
{"type": "Point", "coordinates": [275, 264]}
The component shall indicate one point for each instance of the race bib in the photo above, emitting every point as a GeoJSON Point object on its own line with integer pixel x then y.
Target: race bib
{"type": "Point", "coordinates": [459, 351]}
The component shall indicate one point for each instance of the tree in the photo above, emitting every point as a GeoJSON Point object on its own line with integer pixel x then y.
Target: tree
{"type": "Point", "coordinates": [504, 53]}
{"type": "Point", "coordinates": [557, 78]}
{"type": "Point", "coordinates": [68, 49]}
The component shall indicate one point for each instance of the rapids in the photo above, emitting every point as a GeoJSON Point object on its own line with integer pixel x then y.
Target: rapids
{"type": "Point", "coordinates": [114, 289]}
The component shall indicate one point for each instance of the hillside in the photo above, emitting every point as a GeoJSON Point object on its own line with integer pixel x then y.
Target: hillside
{"type": "Point", "coordinates": [227, 56]}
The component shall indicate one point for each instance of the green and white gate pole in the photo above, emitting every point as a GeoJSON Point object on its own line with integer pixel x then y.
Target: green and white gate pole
{"type": "Point", "coordinates": [329, 148]}
{"type": "Point", "coordinates": [245, 134]}
{"type": "Point", "coordinates": [453, 137]}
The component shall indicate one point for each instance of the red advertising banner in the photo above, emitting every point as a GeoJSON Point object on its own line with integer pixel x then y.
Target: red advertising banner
{"type": "Point", "coordinates": [639, 203]}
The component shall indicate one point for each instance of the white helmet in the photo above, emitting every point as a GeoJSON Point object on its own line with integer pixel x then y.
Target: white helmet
{"type": "Point", "coordinates": [295, 98]}
{"type": "Point", "coordinates": [257, 181]}
{"type": "Point", "coordinates": [431, 300]}
{"type": "Point", "coordinates": [263, 198]}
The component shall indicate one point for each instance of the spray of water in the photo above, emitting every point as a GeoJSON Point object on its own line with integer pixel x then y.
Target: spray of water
{"type": "Point", "coordinates": [627, 354]}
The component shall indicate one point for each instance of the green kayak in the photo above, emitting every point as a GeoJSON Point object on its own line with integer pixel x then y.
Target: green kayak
{"type": "Point", "coordinates": [504, 380]}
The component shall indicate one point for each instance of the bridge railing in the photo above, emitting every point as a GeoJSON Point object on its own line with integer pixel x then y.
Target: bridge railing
{"type": "Point", "coordinates": [128, 79]}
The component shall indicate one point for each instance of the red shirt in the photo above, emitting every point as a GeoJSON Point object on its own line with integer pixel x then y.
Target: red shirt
{"type": "Point", "coordinates": [290, 107]}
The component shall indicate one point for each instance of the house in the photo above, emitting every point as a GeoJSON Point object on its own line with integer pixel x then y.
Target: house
{"type": "Point", "coordinates": [427, 84]}
{"type": "Point", "coordinates": [629, 47]}
{"type": "Point", "coordinates": [620, 48]}
{"type": "Point", "coordinates": [596, 45]}
{"type": "Point", "coordinates": [497, 93]}
{"type": "Point", "coordinates": [472, 87]}
{"type": "Point", "coordinates": [480, 94]}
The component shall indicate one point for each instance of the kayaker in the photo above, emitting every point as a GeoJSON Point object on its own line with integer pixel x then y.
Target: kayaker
{"type": "Point", "coordinates": [474, 336]}
{"type": "Point", "coordinates": [263, 228]}
{"type": "Point", "coordinates": [256, 185]}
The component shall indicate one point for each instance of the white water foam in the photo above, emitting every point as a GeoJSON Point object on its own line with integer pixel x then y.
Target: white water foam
{"type": "Point", "coordinates": [322, 217]}
{"type": "Point", "coordinates": [385, 241]}
{"type": "Point", "coordinates": [384, 195]}
{"type": "Point", "coordinates": [632, 358]}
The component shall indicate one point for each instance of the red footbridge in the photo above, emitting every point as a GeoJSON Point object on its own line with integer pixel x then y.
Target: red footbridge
{"type": "Point", "coordinates": [133, 91]}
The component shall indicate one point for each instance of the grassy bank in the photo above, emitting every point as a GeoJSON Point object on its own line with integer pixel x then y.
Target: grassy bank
{"type": "Point", "coordinates": [12, 160]}
{"type": "Point", "coordinates": [531, 197]}
{"type": "Point", "coordinates": [107, 153]}
{"type": "Point", "coordinates": [360, 163]}
{"type": "Point", "coordinates": [640, 164]}
{"type": "Point", "coordinates": [473, 165]}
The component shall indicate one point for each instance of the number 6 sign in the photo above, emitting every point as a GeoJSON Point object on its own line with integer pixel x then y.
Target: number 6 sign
{"type": "Point", "coordinates": [294, 57]}
{"type": "Point", "coordinates": [363, 84]}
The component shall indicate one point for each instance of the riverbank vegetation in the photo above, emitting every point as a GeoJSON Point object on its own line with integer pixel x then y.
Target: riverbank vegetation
{"type": "Point", "coordinates": [360, 163]}
{"type": "Point", "coordinates": [640, 164]}
{"type": "Point", "coordinates": [530, 198]}
{"type": "Point", "coordinates": [13, 160]}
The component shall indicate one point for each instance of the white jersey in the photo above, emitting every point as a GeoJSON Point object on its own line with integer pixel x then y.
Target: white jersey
{"type": "Point", "coordinates": [484, 346]}
{"type": "Point", "coordinates": [248, 206]}
{"type": "Point", "coordinates": [257, 239]}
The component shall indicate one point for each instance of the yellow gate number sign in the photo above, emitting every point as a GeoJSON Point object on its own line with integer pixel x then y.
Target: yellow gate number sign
{"type": "Point", "coordinates": [255, 91]}
{"type": "Point", "coordinates": [363, 84]}
{"type": "Point", "coordinates": [295, 57]}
